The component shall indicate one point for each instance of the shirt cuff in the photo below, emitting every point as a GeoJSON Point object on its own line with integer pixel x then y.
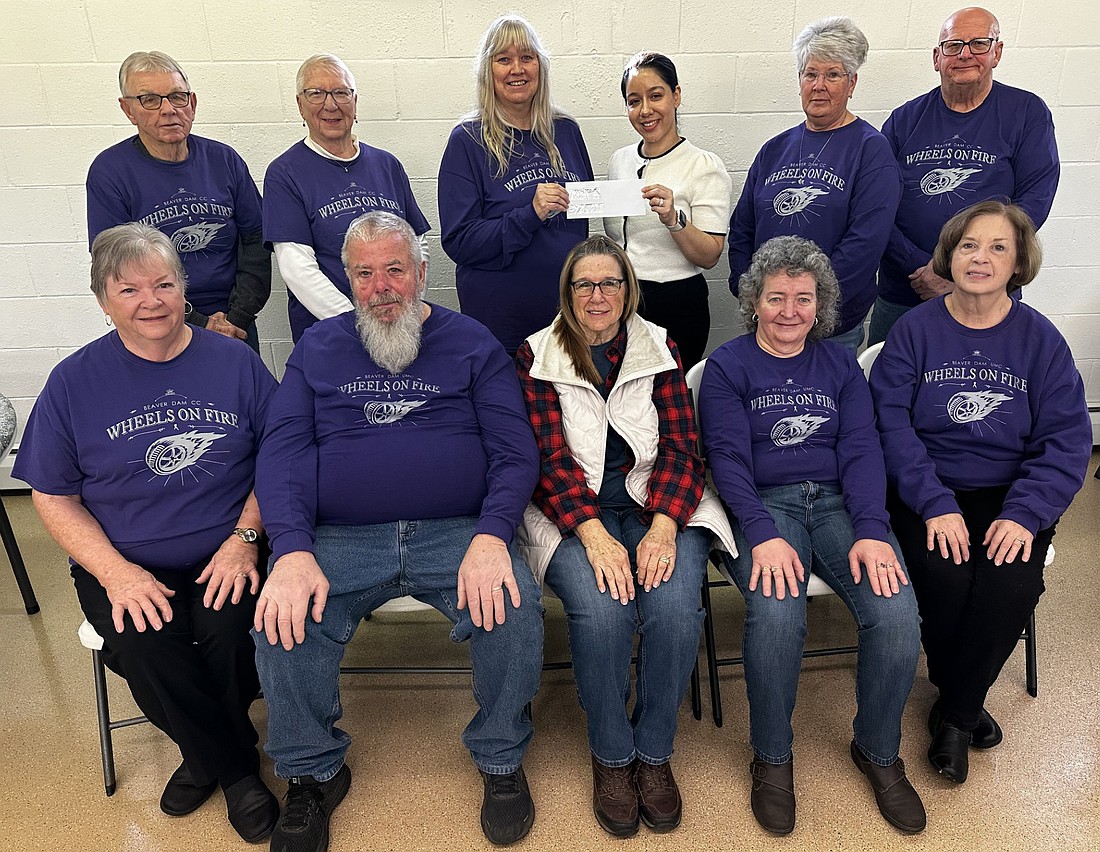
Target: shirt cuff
{"type": "Point", "coordinates": [290, 542]}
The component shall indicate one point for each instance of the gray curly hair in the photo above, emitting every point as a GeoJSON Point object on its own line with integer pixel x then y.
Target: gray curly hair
{"type": "Point", "coordinates": [793, 256]}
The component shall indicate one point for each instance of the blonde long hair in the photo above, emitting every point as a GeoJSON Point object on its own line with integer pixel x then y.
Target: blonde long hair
{"type": "Point", "coordinates": [497, 136]}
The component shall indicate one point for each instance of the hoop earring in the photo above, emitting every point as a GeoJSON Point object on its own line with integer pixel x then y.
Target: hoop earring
{"type": "Point", "coordinates": [817, 320]}
{"type": "Point", "coordinates": [755, 318]}
{"type": "Point", "coordinates": [107, 320]}
{"type": "Point", "coordinates": [188, 308]}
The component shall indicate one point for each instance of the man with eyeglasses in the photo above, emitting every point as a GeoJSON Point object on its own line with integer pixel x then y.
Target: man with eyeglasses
{"type": "Point", "coordinates": [968, 140]}
{"type": "Point", "coordinates": [196, 191]}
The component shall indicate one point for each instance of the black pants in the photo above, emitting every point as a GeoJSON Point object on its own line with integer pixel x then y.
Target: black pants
{"type": "Point", "coordinates": [194, 678]}
{"type": "Point", "coordinates": [971, 614]}
{"type": "Point", "coordinates": [681, 308]}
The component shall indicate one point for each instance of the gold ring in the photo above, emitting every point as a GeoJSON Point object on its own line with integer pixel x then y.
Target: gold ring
{"type": "Point", "coordinates": [942, 534]}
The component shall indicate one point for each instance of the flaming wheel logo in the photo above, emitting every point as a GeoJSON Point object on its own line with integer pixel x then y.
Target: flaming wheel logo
{"type": "Point", "coordinates": [193, 238]}
{"type": "Point", "coordinates": [795, 200]}
{"type": "Point", "coordinates": [969, 406]}
{"type": "Point", "coordinates": [165, 456]}
{"type": "Point", "coordinates": [791, 431]}
{"type": "Point", "coordinates": [382, 413]}
{"type": "Point", "coordinates": [939, 181]}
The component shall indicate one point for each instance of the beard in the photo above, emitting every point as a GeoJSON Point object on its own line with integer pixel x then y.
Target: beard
{"type": "Point", "coordinates": [393, 345]}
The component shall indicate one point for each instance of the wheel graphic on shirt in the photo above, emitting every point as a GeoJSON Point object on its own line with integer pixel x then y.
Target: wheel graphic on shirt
{"type": "Point", "coordinates": [165, 456]}
{"type": "Point", "coordinates": [795, 200]}
{"type": "Point", "coordinates": [383, 413]}
{"type": "Point", "coordinates": [194, 238]}
{"type": "Point", "coordinates": [939, 181]}
{"type": "Point", "coordinates": [791, 431]}
{"type": "Point", "coordinates": [969, 406]}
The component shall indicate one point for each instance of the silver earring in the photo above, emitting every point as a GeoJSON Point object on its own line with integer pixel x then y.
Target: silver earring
{"type": "Point", "coordinates": [817, 320]}
{"type": "Point", "coordinates": [107, 320]}
{"type": "Point", "coordinates": [188, 307]}
{"type": "Point", "coordinates": [755, 318]}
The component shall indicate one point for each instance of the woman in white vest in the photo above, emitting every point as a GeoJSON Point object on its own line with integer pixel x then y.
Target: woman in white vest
{"type": "Point", "coordinates": [621, 524]}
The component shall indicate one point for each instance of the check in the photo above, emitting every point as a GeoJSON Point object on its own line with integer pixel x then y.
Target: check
{"type": "Point", "coordinates": [594, 199]}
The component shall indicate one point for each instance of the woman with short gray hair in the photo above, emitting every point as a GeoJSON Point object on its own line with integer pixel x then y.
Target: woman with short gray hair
{"type": "Point", "coordinates": [789, 430]}
{"type": "Point", "coordinates": [832, 178]}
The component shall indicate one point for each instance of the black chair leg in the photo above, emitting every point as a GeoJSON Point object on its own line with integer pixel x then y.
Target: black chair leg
{"type": "Point", "coordinates": [712, 658]}
{"type": "Point", "coordinates": [1031, 659]}
{"type": "Point", "coordinates": [103, 715]}
{"type": "Point", "coordinates": [17, 565]}
{"type": "Point", "coordinates": [696, 698]}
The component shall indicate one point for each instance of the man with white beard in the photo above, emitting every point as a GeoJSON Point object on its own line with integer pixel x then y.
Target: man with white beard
{"type": "Point", "coordinates": [398, 460]}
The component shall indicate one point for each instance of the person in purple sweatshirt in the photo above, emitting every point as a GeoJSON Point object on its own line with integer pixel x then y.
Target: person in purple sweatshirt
{"type": "Point", "coordinates": [398, 460]}
{"type": "Point", "coordinates": [968, 140]}
{"type": "Point", "coordinates": [502, 202]}
{"type": "Point", "coordinates": [318, 186]}
{"type": "Point", "coordinates": [141, 454]}
{"type": "Point", "coordinates": [831, 179]}
{"type": "Point", "coordinates": [197, 191]}
{"type": "Point", "coordinates": [987, 436]}
{"type": "Point", "coordinates": [789, 430]}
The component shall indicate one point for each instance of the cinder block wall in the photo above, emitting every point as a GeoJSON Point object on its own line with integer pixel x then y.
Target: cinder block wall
{"type": "Point", "coordinates": [413, 63]}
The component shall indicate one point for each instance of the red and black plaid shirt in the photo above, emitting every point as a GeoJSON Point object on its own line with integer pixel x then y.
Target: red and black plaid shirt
{"type": "Point", "coordinates": [676, 484]}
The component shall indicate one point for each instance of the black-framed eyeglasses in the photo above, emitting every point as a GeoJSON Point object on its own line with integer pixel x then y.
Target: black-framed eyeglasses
{"type": "Point", "coordinates": [153, 101]}
{"type": "Point", "coordinates": [978, 46]}
{"type": "Point", "coordinates": [319, 96]}
{"type": "Point", "coordinates": [609, 286]}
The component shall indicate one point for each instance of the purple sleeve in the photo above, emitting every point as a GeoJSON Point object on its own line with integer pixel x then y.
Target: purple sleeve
{"type": "Point", "coordinates": [1035, 165]}
{"type": "Point", "coordinates": [284, 210]}
{"type": "Point", "coordinates": [859, 459]}
{"type": "Point", "coordinates": [903, 252]}
{"type": "Point", "coordinates": [728, 444]}
{"type": "Point", "coordinates": [1057, 453]}
{"type": "Point", "coordinates": [106, 204]}
{"type": "Point", "coordinates": [742, 237]}
{"type": "Point", "coordinates": [909, 467]}
{"type": "Point", "coordinates": [286, 468]}
{"type": "Point", "coordinates": [47, 457]}
{"type": "Point", "coordinates": [469, 238]}
{"type": "Point", "coordinates": [509, 445]}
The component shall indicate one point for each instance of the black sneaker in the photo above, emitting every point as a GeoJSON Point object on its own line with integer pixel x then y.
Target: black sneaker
{"type": "Point", "coordinates": [507, 810]}
{"type": "Point", "coordinates": [303, 827]}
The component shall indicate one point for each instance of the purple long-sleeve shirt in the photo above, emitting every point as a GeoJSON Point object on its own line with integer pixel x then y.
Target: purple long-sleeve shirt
{"type": "Point", "coordinates": [769, 421]}
{"type": "Point", "coordinates": [962, 408]}
{"type": "Point", "coordinates": [349, 443]}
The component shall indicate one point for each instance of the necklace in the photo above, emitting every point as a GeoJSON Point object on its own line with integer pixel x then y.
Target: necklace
{"type": "Point", "coordinates": [816, 156]}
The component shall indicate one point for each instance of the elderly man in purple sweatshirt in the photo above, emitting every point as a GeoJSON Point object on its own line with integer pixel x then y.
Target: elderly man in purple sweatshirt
{"type": "Point", "coordinates": [968, 140]}
{"type": "Point", "coordinates": [398, 461]}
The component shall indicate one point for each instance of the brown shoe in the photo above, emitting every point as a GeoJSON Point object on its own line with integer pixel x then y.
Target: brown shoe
{"type": "Point", "coordinates": [773, 795]}
{"type": "Point", "coordinates": [659, 803]}
{"type": "Point", "coordinates": [614, 799]}
{"type": "Point", "coordinates": [897, 801]}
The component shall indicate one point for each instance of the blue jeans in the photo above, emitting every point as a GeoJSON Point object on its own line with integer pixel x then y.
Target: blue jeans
{"type": "Point", "coordinates": [601, 642]}
{"type": "Point", "coordinates": [811, 517]}
{"type": "Point", "coordinates": [883, 316]}
{"type": "Point", "coordinates": [367, 566]}
{"type": "Point", "coordinates": [850, 339]}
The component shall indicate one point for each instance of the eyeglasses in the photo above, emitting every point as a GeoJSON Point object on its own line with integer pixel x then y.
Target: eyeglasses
{"type": "Point", "coordinates": [810, 78]}
{"type": "Point", "coordinates": [978, 46]}
{"type": "Point", "coordinates": [609, 286]}
{"type": "Point", "coordinates": [153, 101]}
{"type": "Point", "coordinates": [319, 96]}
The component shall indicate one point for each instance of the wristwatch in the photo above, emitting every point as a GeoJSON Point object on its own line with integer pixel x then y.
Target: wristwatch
{"type": "Point", "coordinates": [680, 224]}
{"type": "Point", "coordinates": [247, 534]}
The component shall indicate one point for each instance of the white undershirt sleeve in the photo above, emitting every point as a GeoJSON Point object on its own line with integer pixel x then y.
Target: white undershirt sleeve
{"type": "Point", "coordinates": [310, 286]}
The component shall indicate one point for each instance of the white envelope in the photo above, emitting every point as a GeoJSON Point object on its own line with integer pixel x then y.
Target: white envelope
{"type": "Point", "coordinates": [594, 199]}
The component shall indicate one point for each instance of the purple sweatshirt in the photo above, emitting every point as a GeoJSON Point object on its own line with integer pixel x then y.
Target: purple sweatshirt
{"type": "Point", "coordinates": [508, 259]}
{"type": "Point", "coordinates": [349, 443]}
{"type": "Point", "coordinates": [311, 200]}
{"type": "Point", "coordinates": [769, 421]}
{"type": "Point", "coordinates": [161, 454]}
{"type": "Point", "coordinates": [203, 205]}
{"type": "Point", "coordinates": [962, 408]}
{"type": "Point", "coordinates": [1004, 150]}
{"type": "Point", "coordinates": [839, 188]}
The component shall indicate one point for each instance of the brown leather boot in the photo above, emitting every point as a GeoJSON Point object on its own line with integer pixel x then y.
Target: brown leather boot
{"type": "Point", "coordinates": [773, 795]}
{"type": "Point", "coordinates": [614, 799]}
{"type": "Point", "coordinates": [659, 803]}
{"type": "Point", "coordinates": [897, 801]}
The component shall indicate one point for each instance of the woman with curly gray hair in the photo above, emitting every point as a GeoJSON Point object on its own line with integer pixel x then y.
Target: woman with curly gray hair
{"type": "Point", "coordinates": [789, 429]}
{"type": "Point", "coordinates": [832, 178]}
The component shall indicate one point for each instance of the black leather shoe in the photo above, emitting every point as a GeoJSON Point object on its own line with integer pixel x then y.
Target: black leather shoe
{"type": "Point", "coordinates": [772, 795]}
{"type": "Point", "coordinates": [897, 801]}
{"type": "Point", "coordinates": [987, 735]}
{"type": "Point", "coordinates": [182, 795]}
{"type": "Point", "coordinates": [252, 808]}
{"type": "Point", "coordinates": [507, 811]}
{"type": "Point", "coordinates": [948, 752]}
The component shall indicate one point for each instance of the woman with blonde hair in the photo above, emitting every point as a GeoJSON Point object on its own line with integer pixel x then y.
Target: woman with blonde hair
{"type": "Point", "coordinates": [501, 187]}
